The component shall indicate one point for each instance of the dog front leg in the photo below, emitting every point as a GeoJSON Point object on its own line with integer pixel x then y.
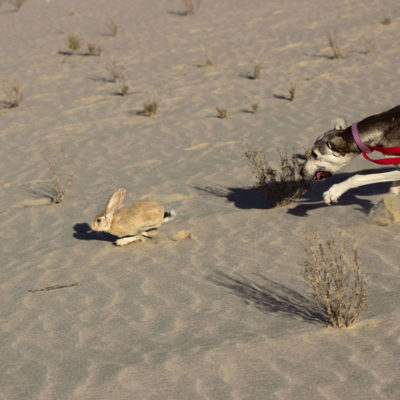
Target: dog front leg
{"type": "Point", "coordinates": [333, 194]}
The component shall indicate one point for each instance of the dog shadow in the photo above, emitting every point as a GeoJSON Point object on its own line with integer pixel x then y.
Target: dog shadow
{"type": "Point", "coordinates": [255, 198]}
{"type": "Point", "coordinates": [84, 232]}
{"type": "Point", "coordinates": [312, 199]}
{"type": "Point", "coordinates": [271, 297]}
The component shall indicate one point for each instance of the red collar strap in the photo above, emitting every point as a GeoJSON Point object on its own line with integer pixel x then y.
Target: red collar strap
{"type": "Point", "coordinates": [367, 149]}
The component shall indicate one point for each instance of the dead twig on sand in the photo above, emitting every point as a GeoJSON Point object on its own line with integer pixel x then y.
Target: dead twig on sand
{"type": "Point", "coordinates": [48, 288]}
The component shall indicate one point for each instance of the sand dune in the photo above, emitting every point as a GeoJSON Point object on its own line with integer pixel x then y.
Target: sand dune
{"type": "Point", "coordinates": [224, 314]}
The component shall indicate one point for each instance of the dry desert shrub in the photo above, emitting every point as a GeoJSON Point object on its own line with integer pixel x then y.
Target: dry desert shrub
{"type": "Point", "coordinates": [336, 52]}
{"type": "Point", "coordinates": [123, 88]}
{"type": "Point", "coordinates": [334, 276]}
{"type": "Point", "coordinates": [17, 3]}
{"type": "Point", "coordinates": [149, 109]}
{"type": "Point", "coordinates": [13, 96]}
{"type": "Point", "coordinates": [94, 49]}
{"type": "Point", "coordinates": [190, 6]}
{"type": "Point", "coordinates": [254, 108]}
{"type": "Point", "coordinates": [386, 21]}
{"type": "Point", "coordinates": [282, 185]}
{"type": "Point", "coordinates": [257, 71]}
{"type": "Point", "coordinates": [61, 175]}
{"type": "Point", "coordinates": [207, 62]}
{"type": "Point", "coordinates": [116, 71]}
{"type": "Point", "coordinates": [292, 92]}
{"type": "Point", "coordinates": [222, 113]}
{"type": "Point", "coordinates": [112, 28]}
{"type": "Point", "coordinates": [74, 43]}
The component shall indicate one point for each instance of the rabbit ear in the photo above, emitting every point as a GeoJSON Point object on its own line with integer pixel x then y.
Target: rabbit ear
{"type": "Point", "coordinates": [115, 201]}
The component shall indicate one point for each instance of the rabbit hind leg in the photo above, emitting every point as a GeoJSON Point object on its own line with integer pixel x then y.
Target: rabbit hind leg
{"type": "Point", "coordinates": [150, 233]}
{"type": "Point", "coordinates": [126, 240]}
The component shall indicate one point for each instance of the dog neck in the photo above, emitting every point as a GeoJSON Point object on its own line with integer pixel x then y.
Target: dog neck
{"type": "Point", "coordinates": [380, 129]}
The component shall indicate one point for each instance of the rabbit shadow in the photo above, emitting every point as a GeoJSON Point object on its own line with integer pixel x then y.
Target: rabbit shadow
{"type": "Point", "coordinates": [271, 297]}
{"type": "Point", "coordinates": [84, 232]}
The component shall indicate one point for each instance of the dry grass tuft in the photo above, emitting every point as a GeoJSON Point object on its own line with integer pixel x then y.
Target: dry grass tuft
{"type": "Point", "coordinates": [292, 92]}
{"type": "Point", "coordinates": [17, 3]}
{"type": "Point", "coordinates": [123, 89]}
{"type": "Point", "coordinates": [112, 28]}
{"type": "Point", "coordinates": [61, 175]}
{"type": "Point", "coordinates": [257, 71]}
{"type": "Point", "coordinates": [74, 43]}
{"type": "Point", "coordinates": [190, 7]}
{"type": "Point", "coordinates": [333, 274]}
{"type": "Point", "coordinates": [149, 109]}
{"type": "Point", "coordinates": [116, 71]}
{"type": "Point", "coordinates": [13, 96]}
{"type": "Point", "coordinates": [386, 21]}
{"type": "Point", "coordinates": [94, 49]}
{"type": "Point", "coordinates": [281, 186]}
{"type": "Point", "coordinates": [336, 52]}
{"type": "Point", "coordinates": [254, 108]}
{"type": "Point", "coordinates": [222, 113]}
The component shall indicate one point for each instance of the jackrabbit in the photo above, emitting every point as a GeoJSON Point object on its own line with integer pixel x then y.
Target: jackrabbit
{"type": "Point", "coordinates": [130, 223]}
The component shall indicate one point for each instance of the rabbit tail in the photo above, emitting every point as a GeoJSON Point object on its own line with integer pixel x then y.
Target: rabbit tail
{"type": "Point", "coordinates": [169, 215]}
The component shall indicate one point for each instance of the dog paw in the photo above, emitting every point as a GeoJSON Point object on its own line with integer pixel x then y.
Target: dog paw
{"type": "Point", "coordinates": [332, 195]}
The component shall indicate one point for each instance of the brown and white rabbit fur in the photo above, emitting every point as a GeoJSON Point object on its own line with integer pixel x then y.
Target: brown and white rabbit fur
{"type": "Point", "coordinates": [133, 221]}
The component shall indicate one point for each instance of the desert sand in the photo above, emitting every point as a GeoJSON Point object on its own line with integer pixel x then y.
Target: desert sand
{"type": "Point", "coordinates": [223, 314]}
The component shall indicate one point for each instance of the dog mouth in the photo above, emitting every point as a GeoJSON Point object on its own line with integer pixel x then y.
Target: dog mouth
{"type": "Point", "coordinates": [320, 175]}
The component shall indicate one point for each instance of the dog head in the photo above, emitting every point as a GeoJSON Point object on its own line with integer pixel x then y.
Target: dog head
{"type": "Point", "coordinates": [330, 152]}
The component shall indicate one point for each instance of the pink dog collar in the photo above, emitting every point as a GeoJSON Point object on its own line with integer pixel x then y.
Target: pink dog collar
{"type": "Point", "coordinates": [357, 139]}
{"type": "Point", "coordinates": [367, 149]}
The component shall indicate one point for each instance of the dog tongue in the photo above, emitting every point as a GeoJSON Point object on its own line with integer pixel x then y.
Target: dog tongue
{"type": "Point", "coordinates": [322, 175]}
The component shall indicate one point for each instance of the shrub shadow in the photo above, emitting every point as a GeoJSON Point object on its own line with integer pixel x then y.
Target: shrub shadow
{"type": "Point", "coordinates": [255, 198]}
{"type": "Point", "coordinates": [271, 297]}
{"type": "Point", "coordinates": [282, 97]}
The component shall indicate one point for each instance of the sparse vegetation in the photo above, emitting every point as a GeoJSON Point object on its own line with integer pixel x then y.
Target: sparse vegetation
{"type": "Point", "coordinates": [257, 71]}
{"type": "Point", "coordinates": [123, 88]}
{"type": "Point", "coordinates": [112, 28]}
{"type": "Point", "coordinates": [292, 91]}
{"type": "Point", "coordinates": [333, 273]}
{"type": "Point", "coordinates": [17, 3]}
{"type": "Point", "coordinates": [61, 175]}
{"type": "Point", "coordinates": [94, 49]}
{"type": "Point", "coordinates": [116, 71]}
{"type": "Point", "coordinates": [149, 109]}
{"type": "Point", "coordinates": [13, 96]}
{"type": "Point", "coordinates": [254, 108]}
{"type": "Point", "coordinates": [281, 186]}
{"type": "Point", "coordinates": [336, 52]}
{"type": "Point", "coordinates": [74, 43]}
{"type": "Point", "coordinates": [189, 7]}
{"type": "Point", "coordinates": [222, 112]}
{"type": "Point", "coordinates": [386, 21]}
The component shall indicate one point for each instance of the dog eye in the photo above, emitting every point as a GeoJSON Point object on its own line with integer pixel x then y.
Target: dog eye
{"type": "Point", "coordinates": [98, 220]}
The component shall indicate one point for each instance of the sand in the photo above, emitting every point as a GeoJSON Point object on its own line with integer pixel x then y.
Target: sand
{"type": "Point", "coordinates": [224, 312]}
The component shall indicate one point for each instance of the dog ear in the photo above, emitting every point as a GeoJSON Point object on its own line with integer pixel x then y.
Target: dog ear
{"type": "Point", "coordinates": [340, 124]}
